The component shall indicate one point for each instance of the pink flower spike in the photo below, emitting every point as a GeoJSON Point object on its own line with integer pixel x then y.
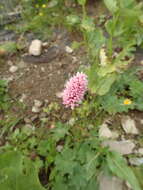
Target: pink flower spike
{"type": "Point", "coordinates": [74, 91]}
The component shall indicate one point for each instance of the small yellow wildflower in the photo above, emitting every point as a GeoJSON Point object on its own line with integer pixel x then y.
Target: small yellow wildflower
{"type": "Point", "coordinates": [43, 6]}
{"type": "Point", "coordinates": [40, 14]}
{"type": "Point", "coordinates": [127, 102]}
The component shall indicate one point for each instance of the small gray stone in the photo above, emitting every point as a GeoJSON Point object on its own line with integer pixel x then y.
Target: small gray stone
{"type": "Point", "coordinates": [110, 183]}
{"type": "Point", "coordinates": [59, 148]}
{"type": "Point", "coordinates": [105, 132]}
{"type": "Point", "coordinates": [136, 161]}
{"type": "Point", "coordinates": [72, 121]}
{"type": "Point", "coordinates": [23, 97]}
{"type": "Point", "coordinates": [123, 147]}
{"type": "Point", "coordinates": [140, 151]}
{"type": "Point", "coordinates": [59, 94]}
{"type": "Point", "coordinates": [68, 49]}
{"type": "Point", "coordinates": [35, 109]}
{"type": "Point", "coordinates": [129, 125]}
{"type": "Point", "coordinates": [38, 103]}
{"type": "Point", "coordinates": [13, 69]}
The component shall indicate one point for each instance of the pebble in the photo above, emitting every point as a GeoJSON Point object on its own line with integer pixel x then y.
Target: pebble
{"type": "Point", "coordinates": [35, 109]}
{"type": "Point", "coordinates": [140, 151]}
{"type": "Point", "coordinates": [110, 183]}
{"type": "Point", "coordinates": [13, 69]}
{"type": "Point", "coordinates": [136, 161]}
{"type": "Point", "coordinates": [38, 103]}
{"type": "Point", "coordinates": [123, 147]}
{"type": "Point", "coordinates": [129, 125]}
{"type": "Point", "coordinates": [9, 62]}
{"type": "Point", "coordinates": [105, 132]}
{"type": "Point", "coordinates": [43, 69]}
{"type": "Point", "coordinates": [59, 148]}
{"type": "Point", "coordinates": [59, 94]}
{"type": "Point", "coordinates": [35, 47]}
{"type": "Point", "coordinates": [72, 121]}
{"type": "Point", "coordinates": [23, 97]}
{"type": "Point", "coordinates": [68, 49]}
{"type": "Point", "coordinates": [44, 44]}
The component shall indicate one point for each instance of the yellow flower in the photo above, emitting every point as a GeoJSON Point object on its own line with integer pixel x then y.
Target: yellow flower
{"type": "Point", "coordinates": [43, 6]}
{"type": "Point", "coordinates": [127, 102]}
{"type": "Point", "coordinates": [40, 14]}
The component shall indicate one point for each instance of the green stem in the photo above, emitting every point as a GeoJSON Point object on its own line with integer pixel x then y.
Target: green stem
{"type": "Point", "coordinates": [84, 11]}
{"type": "Point", "coordinates": [110, 46]}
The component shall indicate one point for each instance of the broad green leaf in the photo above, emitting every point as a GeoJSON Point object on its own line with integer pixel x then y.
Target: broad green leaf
{"type": "Point", "coordinates": [73, 19]}
{"type": "Point", "coordinates": [103, 71]}
{"type": "Point", "coordinates": [139, 174]}
{"type": "Point", "coordinates": [88, 24]}
{"type": "Point", "coordinates": [119, 167]}
{"type": "Point", "coordinates": [105, 84]}
{"type": "Point", "coordinates": [93, 78]}
{"type": "Point", "coordinates": [111, 5]}
{"type": "Point", "coordinates": [81, 2]}
{"type": "Point", "coordinates": [127, 4]}
{"type": "Point", "coordinates": [17, 172]}
{"type": "Point", "coordinates": [60, 131]}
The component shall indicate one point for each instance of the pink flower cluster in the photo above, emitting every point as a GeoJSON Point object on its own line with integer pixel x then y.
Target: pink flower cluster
{"type": "Point", "coordinates": [74, 90]}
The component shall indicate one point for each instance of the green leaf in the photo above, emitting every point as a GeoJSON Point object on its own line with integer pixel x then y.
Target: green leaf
{"type": "Point", "coordinates": [81, 2]}
{"type": "Point", "coordinates": [105, 84]}
{"type": "Point", "coordinates": [111, 5]}
{"type": "Point", "coordinates": [118, 166]}
{"type": "Point", "coordinates": [72, 19]}
{"type": "Point", "coordinates": [88, 24]}
{"type": "Point", "coordinates": [127, 4]}
{"type": "Point", "coordinates": [60, 131]}
{"type": "Point", "coordinates": [139, 174]}
{"type": "Point", "coordinates": [103, 71]}
{"type": "Point", "coordinates": [17, 172]}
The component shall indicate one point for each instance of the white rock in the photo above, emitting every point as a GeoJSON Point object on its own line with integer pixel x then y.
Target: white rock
{"type": "Point", "coordinates": [140, 151]}
{"type": "Point", "coordinates": [105, 132]}
{"type": "Point", "coordinates": [59, 148]}
{"type": "Point", "coordinates": [110, 183]}
{"type": "Point", "coordinates": [123, 147]}
{"type": "Point", "coordinates": [44, 44]}
{"type": "Point", "coordinates": [9, 62]}
{"type": "Point", "coordinates": [136, 161]}
{"type": "Point", "coordinates": [129, 125]}
{"type": "Point", "coordinates": [74, 59]}
{"type": "Point", "coordinates": [141, 121]}
{"type": "Point", "coordinates": [43, 69]}
{"type": "Point", "coordinates": [38, 103]}
{"type": "Point", "coordinates": [23, 97]}
{"type": "Point", "coordinates": [13, 69]}
{"type": "Point", "coordinates": [69, 49]}
{"type": "Point", "coordinates": [35, 48]}
{"type": "Point", "coordinates": [72, 121]}
{"type": "Point", "coordinates": [35, 109]}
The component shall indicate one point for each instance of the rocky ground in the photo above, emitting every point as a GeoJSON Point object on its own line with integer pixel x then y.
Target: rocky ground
{"type": "Point", "coordinates": [36, 77]}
